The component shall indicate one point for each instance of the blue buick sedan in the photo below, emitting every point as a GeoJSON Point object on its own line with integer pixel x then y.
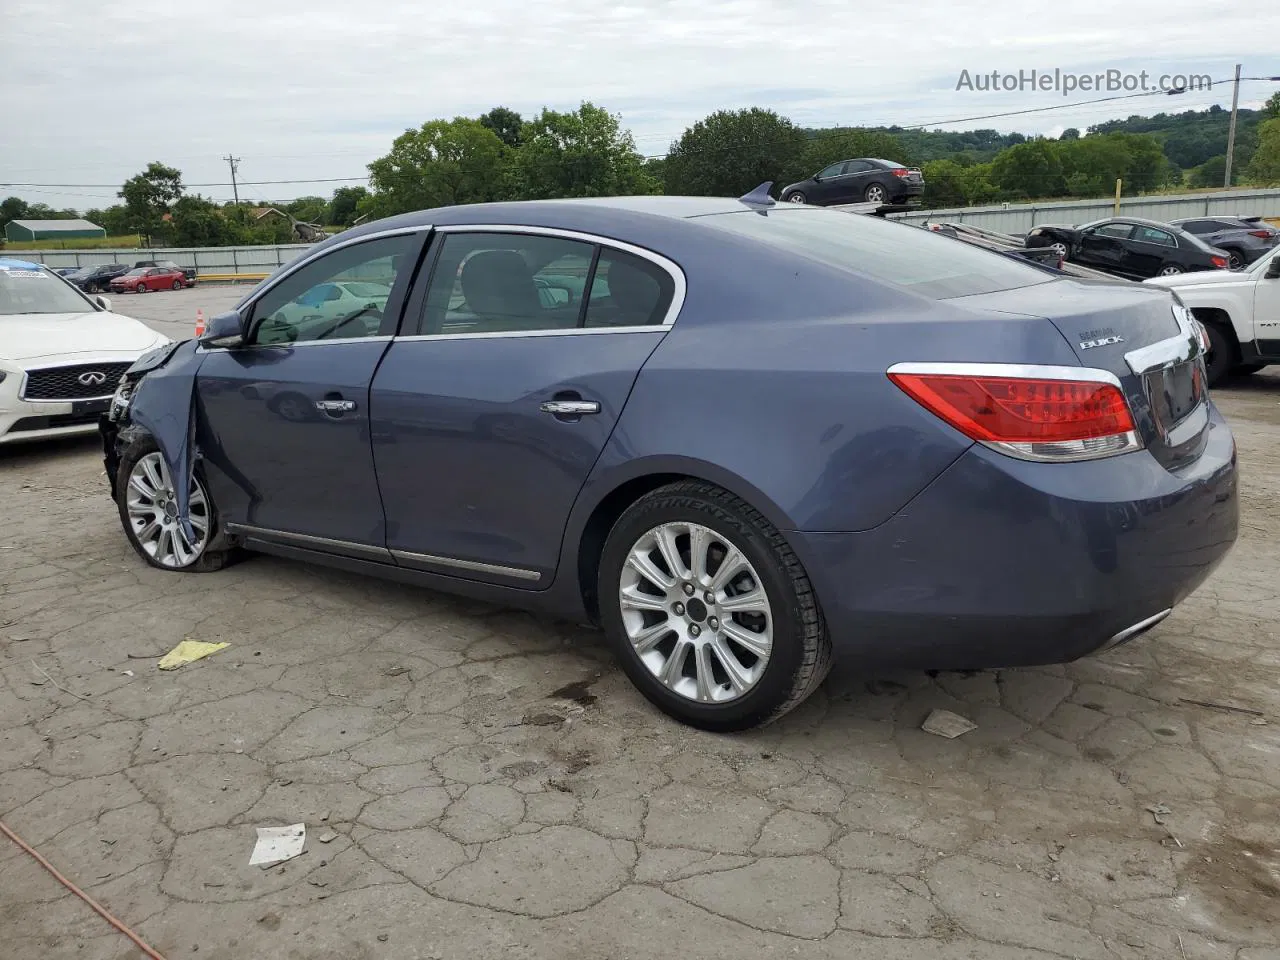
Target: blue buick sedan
{"type": "Point", "coordinates": [745, 438]}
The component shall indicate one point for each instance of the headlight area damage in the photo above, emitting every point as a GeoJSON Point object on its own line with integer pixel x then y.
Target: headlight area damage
{"type": "Point", "coordinates": [157, 395]}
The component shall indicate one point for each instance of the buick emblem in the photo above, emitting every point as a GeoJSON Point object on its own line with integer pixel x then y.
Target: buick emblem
{"type": "Point", "coordinates": [92, 378]}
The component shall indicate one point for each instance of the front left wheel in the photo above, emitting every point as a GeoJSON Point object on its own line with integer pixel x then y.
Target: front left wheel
{"type": "Point", "coordinates": [709, 611]}
{"type": "Point", "coordinates": [149, 513]}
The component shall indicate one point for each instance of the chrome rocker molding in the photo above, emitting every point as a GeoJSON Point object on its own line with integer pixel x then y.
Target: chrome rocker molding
{"type": "Point", "coordinates": [364, 550]}
{"type": "Point", "coordinates": [1128, 633]}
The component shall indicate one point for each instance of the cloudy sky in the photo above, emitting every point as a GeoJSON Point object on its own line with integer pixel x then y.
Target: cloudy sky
{"type": "Point", "coordinates": [311, 89]}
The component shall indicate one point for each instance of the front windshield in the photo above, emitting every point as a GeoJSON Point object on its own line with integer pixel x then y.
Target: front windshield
{"type": "Point", "coordinates": [25, 288]}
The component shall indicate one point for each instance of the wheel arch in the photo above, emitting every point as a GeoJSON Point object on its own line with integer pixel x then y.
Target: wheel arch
{"type": "Point", "coordinates": [610, 499]}
{"type": "Point", "coordinates": [1220, 319]}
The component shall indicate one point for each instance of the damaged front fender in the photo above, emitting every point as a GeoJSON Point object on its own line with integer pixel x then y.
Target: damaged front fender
{"type": "Point", "coordinates": [162, 403]}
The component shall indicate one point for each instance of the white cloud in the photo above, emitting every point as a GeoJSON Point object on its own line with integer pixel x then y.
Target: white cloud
{"type": "Point", "coordinates": [317, 88]}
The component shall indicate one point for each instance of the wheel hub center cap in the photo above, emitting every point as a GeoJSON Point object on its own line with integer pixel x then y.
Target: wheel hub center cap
{"type": "Point", "coordinates": [171, 511]}
{"type": "Point", "coordinates": [697, 610]}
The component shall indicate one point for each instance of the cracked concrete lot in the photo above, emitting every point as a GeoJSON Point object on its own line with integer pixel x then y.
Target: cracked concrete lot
{"type": "Point", "coordinates": [497, 789]}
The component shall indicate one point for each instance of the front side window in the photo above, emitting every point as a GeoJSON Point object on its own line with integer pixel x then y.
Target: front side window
{"type": "Point", "coordinates": [316, 302]}
{"type": "Point", "coordinates": [1116, 231]}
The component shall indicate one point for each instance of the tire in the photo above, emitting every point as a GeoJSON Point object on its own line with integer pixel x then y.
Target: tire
{"type": "Point", "coordinates": [206, 558]}
{"type": "Point", "coordinates": [140, 288]}
{"type": "Point", "coordinates": [1169, 270]}
{"type": "Point", "coordinates": [1235, 260]}
{"type": "Point", "coordinates": [1222, 354]}
{"type": "Point", "coordinates": [795, 197]}
{"type": "Point", "coordinates": [1059, 248]}
{"type": "Point", "coordinates": [177, 285]}
{"type": "Point", "coordinates": [875, 193]}
{"type": "Point", "coordinates": [91, 288]}
{"type": "Point", "coordinates": [798, 652]}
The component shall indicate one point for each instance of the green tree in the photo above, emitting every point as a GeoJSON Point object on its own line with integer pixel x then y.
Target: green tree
{"type": "Point", "coordinates": [149, 196]}
{"type": "Point", "coordinates": [342, 208]}
{"type": "Point", "coordinates": [12, 208]}
{"type": "Point", "coordinates": [733, 151]}
{"type": "Point", "coordinates": [944, 184]}
{"type": "Point", "coordinates": [584, 153]}
{"type": "Point", "coordinates": [506, 124]}
{"type": "Point", "coordinates": [978, 188]}
{"type": "Point", "coordinates": [1071, 133]}
{"type": "Point", "coordinates": [1264, 168]}
{"type": "Point", "coordinates": [199, 222]}
{"type": "Point", "coordinates": [443, 162]}
{"type": "Point", "coordinates": [849, 144]}
{"type": "Point", "coordinates": [1030, 169]}
{"type": "Point", "coordinates": [1093, 164]}
{"type": "Point", "coordinates": [308, 209]}
{"type": "Point", "coordinates": [1210, 173]}
{"type": "Point", "coordinates": [1271, 109]}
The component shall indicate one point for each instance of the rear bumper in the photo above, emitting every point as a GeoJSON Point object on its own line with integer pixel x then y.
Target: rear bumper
{"type": "Point", "coordinates": [904, 190]}
{"type": "Point", "coordinates": [1001, 562]}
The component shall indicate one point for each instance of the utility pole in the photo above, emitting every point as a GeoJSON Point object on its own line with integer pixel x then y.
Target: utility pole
{"type": "Point", "coordinates": [235, 161]}
{"type": "Point", "coordinates": [1231, 130]}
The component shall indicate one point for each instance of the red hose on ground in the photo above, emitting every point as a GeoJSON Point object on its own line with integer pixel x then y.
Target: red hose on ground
{"type": "Point", "coordinates": [138, 941]}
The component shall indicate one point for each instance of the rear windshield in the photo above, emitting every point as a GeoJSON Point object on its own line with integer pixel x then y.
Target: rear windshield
{"type": "Point", "coordinates": [917, 260]}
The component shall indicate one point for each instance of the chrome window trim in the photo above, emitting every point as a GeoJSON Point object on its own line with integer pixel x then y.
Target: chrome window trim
{"type": "Point", "coordinates": [209, 348]}
{"type": "Point", "coordinates": [673, 269]}
{"type": "Point", "coordinates": [476, 566]}
{"type": "Point", "coordinates": [521, 334]}
{"type": "Point", "coordinates": [1023, 370]}
{"type": "Point", "coordinates": [267, 285]}
{"type": "Point", "coordinates": [1164, 353]}
{"type": "Point", "coordinates": [306, 539]}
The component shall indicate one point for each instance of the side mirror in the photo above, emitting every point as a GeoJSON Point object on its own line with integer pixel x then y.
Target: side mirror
{"type": "Point", "coordinates": [103, 302]}
{"type": "Point", "coordinates": [1273, 268]}
{"type": "Point", "coordinates": [224, 332]}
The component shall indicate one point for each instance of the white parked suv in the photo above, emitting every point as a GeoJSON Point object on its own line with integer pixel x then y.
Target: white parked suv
{"type": "Point", "coordinates": [1240, 311]}
{"type": "Point", "coordinates": [61, 353]}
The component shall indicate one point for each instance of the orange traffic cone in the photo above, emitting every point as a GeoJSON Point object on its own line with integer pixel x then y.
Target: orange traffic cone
{"type": "Point", "coordinates": [199, 323]}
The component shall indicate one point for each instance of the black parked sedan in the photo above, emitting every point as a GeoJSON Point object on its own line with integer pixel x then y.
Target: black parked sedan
{"type": "Point", "coordinates": [855, 181]}
{"type": "Point", "coordinates": [98, 278]}
{"type": "Point", "coordinates": [1244, 239]}
{"type": "Point", "coordinates": [1130, 247]}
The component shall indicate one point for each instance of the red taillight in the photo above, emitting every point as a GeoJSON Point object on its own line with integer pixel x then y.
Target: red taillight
{"type": "Point", "coordinates": [1220, 262]}
{"type": "Point", "coordinates": [901, 172]}
{"type": "Point", "coordinates": [1046, 414]}
{"type": "Point", "coordinates": [1264, 234]}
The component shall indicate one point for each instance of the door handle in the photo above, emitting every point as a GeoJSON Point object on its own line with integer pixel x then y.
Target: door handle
{"type": "Point", "coordinates": [570, 408]}
{"type": "Point", "coordinates": [335, 406]}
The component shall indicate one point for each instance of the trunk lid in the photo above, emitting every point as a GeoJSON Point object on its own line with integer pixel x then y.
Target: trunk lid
{"type": "Point", "coordinates": [1142, 335]}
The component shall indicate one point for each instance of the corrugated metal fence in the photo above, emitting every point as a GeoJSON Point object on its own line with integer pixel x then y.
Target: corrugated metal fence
{"type": "Point", "coordinates": [1021, 217]}
{"type": "Point", "coordinates": [214, 260]}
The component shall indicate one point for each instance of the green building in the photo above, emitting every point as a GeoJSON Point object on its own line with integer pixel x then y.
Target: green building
{"type": "Point", "coordinates": [51, 230]}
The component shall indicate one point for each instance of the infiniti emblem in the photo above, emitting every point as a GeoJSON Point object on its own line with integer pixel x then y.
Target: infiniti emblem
{"type": "Point", "coordinates": [92, 378]}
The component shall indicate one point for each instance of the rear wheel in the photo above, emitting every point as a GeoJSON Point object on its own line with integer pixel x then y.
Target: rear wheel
{"type": "Point", "coordinates": [1221, 357]}
{"type": "Point", "coordinates": [91, 288]}
{"type": "Point", "coordinates": [875, 194]}
{"type": "Point", "coordinates": [149, 513]}
{"type": "Point", "coordinates": [709, 610]}
{"type": "Point", "coordinates": [1235, 260]}
{"type": "Point", "coordinates": [1170, 270]}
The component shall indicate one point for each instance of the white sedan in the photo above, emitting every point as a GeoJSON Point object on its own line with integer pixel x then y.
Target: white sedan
{"type": "Point", "coordinates": [61, 354]}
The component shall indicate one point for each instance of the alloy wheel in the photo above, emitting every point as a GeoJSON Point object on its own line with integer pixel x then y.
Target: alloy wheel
{"type": "Point", "coordinates": [696, 613]}
{"type": "Point", "coordinates": [875, 193]}
{"type": "Point", "coordinates": [1170, 270]}
{"type": "Point", "coordinates": [795, 198]}
{"type": "Point", "coordinates": [153, 514]}
{"type": "Point", "coordinates": [1060, 249]}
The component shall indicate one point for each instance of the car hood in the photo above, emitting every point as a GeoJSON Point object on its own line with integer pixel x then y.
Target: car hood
{"type": "Point", "coordinates": [1201, 278]}
{"type": "Point", "coordinates": [42, 336]}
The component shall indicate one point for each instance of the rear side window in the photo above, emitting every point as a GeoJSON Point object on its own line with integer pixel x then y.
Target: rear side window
{"type": "Point", "coordinates": [920, 261]}
{"type": "Point", "coordinates": [1152, 235]}
{"type": "Point", "coordinates": [628, 291]}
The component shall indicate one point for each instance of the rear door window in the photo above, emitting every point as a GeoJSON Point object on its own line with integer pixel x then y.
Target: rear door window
{"type": "Point", "coordinates": [1152, 235]}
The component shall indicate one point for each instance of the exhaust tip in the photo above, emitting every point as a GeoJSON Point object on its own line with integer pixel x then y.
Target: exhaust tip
{"type": "Point", "coordinates": [1136, 630]}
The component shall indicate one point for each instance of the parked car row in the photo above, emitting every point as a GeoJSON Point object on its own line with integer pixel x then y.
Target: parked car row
{"type": "Point", "coordinates": [101, 277]}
